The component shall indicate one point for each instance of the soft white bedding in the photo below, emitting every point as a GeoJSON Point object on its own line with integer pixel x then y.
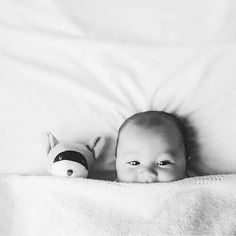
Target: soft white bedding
{"type": "Point", "coordinates": [79, 68]}
{"type": "Point", "coordinates": [45, 205]}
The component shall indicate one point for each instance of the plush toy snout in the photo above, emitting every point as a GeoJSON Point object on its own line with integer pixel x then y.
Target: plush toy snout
{"type": "Point", "coordinates": [69, 169]}
{"type": "Point", "coordinates": [71, 164]}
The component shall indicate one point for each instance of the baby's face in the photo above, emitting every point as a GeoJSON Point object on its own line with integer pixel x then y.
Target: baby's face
{"type": "Point", "coordinates": [150, 155]}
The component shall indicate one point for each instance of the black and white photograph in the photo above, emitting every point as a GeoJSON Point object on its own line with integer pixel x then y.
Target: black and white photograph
{"type": "Point", "coordinates": [118, 117]}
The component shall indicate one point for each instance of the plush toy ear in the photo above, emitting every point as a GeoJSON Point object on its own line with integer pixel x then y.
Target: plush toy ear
{"type": "Point", "coordinates": [96, 146]}
{"type": "Point", "coordinates": [51, 141]}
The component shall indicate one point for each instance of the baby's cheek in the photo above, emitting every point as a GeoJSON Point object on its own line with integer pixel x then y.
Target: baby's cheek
{"type": "Point", "coordinates": [121, 170]}
{"type": "Point", "coordinates": [167, 175]}
{"type": "Point", "coordinates": [128, 174]}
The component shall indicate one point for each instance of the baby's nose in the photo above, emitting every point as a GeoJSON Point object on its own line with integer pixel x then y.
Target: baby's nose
{"type": "Point", "coordinates": [148, 175]}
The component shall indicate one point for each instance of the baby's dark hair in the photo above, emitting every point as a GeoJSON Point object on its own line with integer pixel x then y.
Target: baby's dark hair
{"type": "Point", "coordinates": [149, 119]}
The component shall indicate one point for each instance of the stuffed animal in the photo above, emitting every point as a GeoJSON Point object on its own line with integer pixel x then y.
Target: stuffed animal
{"type": "Point", "coordinates": [72, 159]}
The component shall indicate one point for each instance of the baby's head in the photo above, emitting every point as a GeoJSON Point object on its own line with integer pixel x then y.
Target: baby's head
{"type": "Point", "coordinates": [150, 148]}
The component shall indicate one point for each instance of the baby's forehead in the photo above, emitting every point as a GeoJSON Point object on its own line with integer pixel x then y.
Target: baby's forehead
{"type": "Point", "coordinates": [166, 127]}
{"type": "Point", "coordinates": [137, 141]}
{"type": "Point", "coordinates": [151, 120]}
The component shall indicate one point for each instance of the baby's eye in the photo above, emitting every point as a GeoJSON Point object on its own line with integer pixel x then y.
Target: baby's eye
{"type": "Point", "coordinates": [163, 163]}
{"type": "Point", "coordinates": [134, 163]}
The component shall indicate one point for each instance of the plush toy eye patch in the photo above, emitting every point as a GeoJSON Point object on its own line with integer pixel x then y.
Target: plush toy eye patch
{"type": "Point", "coordinates": [72, 156]}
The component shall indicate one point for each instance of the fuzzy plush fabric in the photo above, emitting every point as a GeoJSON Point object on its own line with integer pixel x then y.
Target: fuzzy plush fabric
{"type": "Point", "coordinates": [46, 205]}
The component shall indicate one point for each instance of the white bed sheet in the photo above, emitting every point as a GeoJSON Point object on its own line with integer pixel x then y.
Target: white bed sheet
{"type": "Point", "coordinates": [80, 68]}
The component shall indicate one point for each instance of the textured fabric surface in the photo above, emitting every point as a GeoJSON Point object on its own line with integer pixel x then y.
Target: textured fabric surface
{"type": "Point", "coordinates": [79, 69]}
{"type": "Point", "coordinates": [35, 205]}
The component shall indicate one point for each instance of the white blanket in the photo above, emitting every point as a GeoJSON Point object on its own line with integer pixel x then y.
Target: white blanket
{"type": "Point", "coordinates": [46, 205]}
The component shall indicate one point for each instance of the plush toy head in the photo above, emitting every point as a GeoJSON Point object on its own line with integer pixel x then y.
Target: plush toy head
{"type": "Point", "coordinates": [72, 159]}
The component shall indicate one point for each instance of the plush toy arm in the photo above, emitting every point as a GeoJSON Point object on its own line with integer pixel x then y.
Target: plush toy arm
{"type": "Point", "coordinates": [96, 145]}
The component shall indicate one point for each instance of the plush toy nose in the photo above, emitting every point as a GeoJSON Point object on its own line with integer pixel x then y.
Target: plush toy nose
{"type": "Point", "coordinates": [69, 172]}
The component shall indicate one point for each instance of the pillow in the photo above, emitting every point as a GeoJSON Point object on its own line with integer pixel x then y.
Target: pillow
{"type": "Point", "coordinates": [80, 69]}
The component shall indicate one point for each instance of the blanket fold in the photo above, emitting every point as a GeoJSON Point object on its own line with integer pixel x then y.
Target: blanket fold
{"type": "Point", "coordinates": [47, 205]}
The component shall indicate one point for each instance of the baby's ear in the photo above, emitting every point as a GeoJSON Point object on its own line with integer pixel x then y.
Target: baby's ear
{"type": "Point", "coordinates": [96, 146]}
{"type": "Point", "coordinates": [50, 141]}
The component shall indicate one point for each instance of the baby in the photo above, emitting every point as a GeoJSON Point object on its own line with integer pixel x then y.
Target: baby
{"type": "Point", "coordinates": [150, 148]}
